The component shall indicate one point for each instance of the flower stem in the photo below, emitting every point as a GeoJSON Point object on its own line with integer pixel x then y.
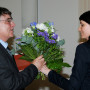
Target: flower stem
{"type": "Point", "coordinates": [42, 76]}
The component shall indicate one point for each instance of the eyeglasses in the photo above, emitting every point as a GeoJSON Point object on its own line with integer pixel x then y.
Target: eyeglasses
{"type": "Point", "coordinates": [9, 20]}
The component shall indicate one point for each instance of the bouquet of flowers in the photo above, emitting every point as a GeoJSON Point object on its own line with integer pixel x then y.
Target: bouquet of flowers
{"type": "Point", "coordinates": [41, 39]}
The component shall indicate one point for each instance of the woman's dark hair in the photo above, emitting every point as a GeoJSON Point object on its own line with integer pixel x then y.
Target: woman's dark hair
{"type": "Point", "coordinates": [4, 11]}
{"type": "Point", "coordinates": [85, 17]}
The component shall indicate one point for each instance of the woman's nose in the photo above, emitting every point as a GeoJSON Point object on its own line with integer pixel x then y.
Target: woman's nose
{"type": "Point", "coordinates": [79, 29]}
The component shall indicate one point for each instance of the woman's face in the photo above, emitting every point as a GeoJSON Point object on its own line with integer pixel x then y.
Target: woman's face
{"type": "Point", "coordinates": [84, 29]}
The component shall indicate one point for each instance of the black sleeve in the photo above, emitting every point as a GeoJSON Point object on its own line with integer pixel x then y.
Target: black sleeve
{"type": "Point", "coordinates": [78, 72]}
{"type": "Point", "coordinates": [13, 80]}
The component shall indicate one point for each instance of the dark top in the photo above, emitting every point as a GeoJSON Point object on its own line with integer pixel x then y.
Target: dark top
{"type": "Point", "coordinates": [10, 77]}
{"type": "Point", "coordinates": [80, 77]}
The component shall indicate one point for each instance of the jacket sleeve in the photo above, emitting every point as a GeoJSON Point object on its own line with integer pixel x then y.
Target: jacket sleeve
{"type": "Point", "coordinates": [79, 71]}
{"type": "Point", "coordinates": [13, 80]}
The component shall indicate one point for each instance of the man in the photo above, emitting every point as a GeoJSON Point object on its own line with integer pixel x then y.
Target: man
{"type": "Point", "coordinates": [10, 77]}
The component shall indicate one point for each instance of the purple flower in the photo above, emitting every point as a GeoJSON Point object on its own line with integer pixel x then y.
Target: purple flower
{"type": "Point", "coordinates": [17, 38]}
{"type": "Point", "coordinates": [46, 39]}
{"type": "Point", "coordinates": [46, 33]}
{"type": "Point", "coordinates": [55, 36]}
{"type": "Point", "coordinates": [19, 42]}
{"type": "Point", "coordinates": [38, 30]}
{"type": "Point", "coordinates": [53, 41]}
{"type": "Point", "coordinates": [49, 40]}
{"type": "Point", "coordinates": [41, 34]}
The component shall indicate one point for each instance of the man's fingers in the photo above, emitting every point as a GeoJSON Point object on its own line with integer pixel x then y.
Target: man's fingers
{"type": "Point", "coordinates": [39, 57]}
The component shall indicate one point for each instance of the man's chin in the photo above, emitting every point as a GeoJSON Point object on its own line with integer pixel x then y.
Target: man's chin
{"type": "Point", "coordinates": [12, 35]}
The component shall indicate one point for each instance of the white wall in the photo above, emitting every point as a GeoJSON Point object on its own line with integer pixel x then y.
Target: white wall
{"type": "Point", "coordinates": [29, 12]}
{"type": "Point", "coordinates": [65, 16]}
{"type": "Point", "coordinates": [84, 5]}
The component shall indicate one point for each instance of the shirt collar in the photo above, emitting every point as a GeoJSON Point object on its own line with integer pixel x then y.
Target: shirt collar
{"type": "Point", "coordinates": [5, 44]}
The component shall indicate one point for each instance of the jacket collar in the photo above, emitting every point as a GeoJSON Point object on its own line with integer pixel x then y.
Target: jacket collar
{"type": "Point", "coordinates": [4, 44]}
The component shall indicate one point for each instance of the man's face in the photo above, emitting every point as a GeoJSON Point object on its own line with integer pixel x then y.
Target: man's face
{"type": "Point", "coordinates": [6, 27]}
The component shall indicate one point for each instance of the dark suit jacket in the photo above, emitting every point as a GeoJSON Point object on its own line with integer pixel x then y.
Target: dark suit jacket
{"type": "Point", "coordinates": [10, 77]}
{"type": "Point", "coordinates": [80, 77]}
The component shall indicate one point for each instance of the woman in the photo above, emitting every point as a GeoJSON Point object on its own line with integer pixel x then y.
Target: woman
{"type": "Point", "coordinates": [80, 77]}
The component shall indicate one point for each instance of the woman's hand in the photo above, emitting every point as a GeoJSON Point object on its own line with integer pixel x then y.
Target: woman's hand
{"type": "Point", "coordinates": [45, 69]}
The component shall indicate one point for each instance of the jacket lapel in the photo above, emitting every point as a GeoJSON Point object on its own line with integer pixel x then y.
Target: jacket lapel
{"type": "Point", "coordinates": [10, 58]}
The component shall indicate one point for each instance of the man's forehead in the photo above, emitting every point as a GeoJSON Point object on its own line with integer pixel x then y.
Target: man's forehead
{"type": "Point", "coordinates": [6, 16]}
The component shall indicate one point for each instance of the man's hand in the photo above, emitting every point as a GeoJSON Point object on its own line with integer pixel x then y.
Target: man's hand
{"type": "Point", "coordinates": [39, 62]}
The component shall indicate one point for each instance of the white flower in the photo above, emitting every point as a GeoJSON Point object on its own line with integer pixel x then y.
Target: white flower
{"type": "Point", "coordinates": [23, 32]}
{"type": "Point", "coordinates": [52, 29]}
{"type": "Point", "coordinates": [28, 31]}
{"type": "Point", "coordinates": [46, 29]}
{"type": "Point", "coordinates": [58, 38]}
{"type": "Point", "coordinates": [41, 26]}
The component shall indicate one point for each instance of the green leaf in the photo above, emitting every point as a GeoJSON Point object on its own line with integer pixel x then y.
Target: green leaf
{"type": "Point", "coordinates": [66, 65]}
{"type": "Point", "coordinates": [13, 51]}
{"type": "Point", "coordinates": [26, 58]}
{"type": "Point", "coordinates": [47, 24]}
{"type": "Point", "coordinates": [24, 38]}
{"type": "Point", "coordinates": [57, 65]}
{"type": "Point", "coordinates": [29, 51]}
{"type": "Point", "coordinates": [61, 42]}
{"type": "Point", "coordinates": [29, 39]}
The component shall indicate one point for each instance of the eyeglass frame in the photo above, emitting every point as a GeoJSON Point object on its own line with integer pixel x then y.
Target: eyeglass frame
{"type": "Point", "coordinates": [9, 20]}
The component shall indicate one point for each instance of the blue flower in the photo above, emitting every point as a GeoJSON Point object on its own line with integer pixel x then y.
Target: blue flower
{"type": "Point", "coordinates": [51, 23]}
{"type": "Point", "coordinates": [33, 24]}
